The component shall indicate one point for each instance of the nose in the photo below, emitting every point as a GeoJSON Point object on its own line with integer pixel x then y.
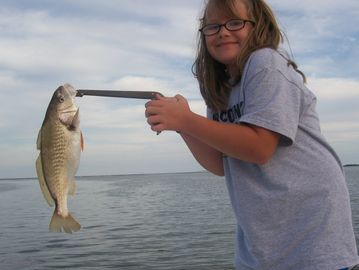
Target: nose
{"type": "Point", "coordinates": [223, 31]}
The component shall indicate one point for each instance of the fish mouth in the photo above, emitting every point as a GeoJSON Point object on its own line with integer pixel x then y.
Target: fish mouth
{"type": "Point", "coordinates": [70, 109]}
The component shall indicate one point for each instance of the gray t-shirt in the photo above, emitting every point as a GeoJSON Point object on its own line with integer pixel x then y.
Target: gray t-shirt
{"type": "Point", "coordinates": [293, 213]}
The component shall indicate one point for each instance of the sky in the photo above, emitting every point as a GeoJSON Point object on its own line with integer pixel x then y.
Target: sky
{"type": "Point", "coordinates": [150, 45]}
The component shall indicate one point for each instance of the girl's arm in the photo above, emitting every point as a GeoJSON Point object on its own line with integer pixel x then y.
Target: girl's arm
{"type": "Point", "coordinates": [208, 157]}
{"type": "Point", "coordinates": [245, 142]}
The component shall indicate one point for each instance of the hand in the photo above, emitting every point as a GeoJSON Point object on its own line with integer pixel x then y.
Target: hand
{"type": "Point", "coordinates": [167, 113]}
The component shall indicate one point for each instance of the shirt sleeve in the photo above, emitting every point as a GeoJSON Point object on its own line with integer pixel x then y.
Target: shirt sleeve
{"type": "Point", "coordinates": [273, 102]}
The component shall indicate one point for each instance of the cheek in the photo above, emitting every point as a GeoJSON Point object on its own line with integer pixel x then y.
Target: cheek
{"type": "Point", "coordinates": [210, 45]}
{"type": "Point", "coordinates": [208, 42]}
{"type": "Point", "coordinates": [244, 34]}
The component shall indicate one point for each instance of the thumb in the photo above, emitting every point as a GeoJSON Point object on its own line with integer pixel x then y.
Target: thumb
{"type": "Point", "coordinates": [180, 98]}
{"type": "Point", "coordinates": [163, 98]}
{"type": "Point", "coordinates": [182, 101]}
{"type": "Point", "coordinates": [160, 97]}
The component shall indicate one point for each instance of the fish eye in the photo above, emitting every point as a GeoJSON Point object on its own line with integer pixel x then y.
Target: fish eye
{"type": "Point", "coordinates": [61, 98]}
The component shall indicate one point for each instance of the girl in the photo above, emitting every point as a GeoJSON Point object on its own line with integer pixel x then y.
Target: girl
{"type": "Point", "coordinates": [285, 182]}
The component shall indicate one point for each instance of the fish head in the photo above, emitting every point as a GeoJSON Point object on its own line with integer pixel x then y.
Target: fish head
{"type": "Point", "coordinates": [64, 98]}
{"type": "Point", "coordinates": [62, 105]}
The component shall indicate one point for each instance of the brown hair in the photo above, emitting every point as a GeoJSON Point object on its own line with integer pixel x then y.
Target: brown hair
{"type": "Point", "coordinates": [211, 74]}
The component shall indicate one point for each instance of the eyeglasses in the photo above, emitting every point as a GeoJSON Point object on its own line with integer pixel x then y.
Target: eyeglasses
{"type": "Point", "coordinates": [231, 25]}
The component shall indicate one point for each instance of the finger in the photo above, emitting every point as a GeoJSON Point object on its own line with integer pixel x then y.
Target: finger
{"type": "Point", "coordinates": [149, 111]}
{"type": "Point", "coordinates": [147, 104]}
{"type": "Point", "coordinates": [154, 120]}
{"type": "Point", "coordinates": [152, 111]}
{"type": "Point", "coordinates": [180, 98]}
{"type": "Point", "coordinates": [153, 103]}
{"type": "Point", "coordinates": [163, 98]}
{"type": "Point", "coordinates": [147, 114]}
{"type": "Point", "coordinates": [159, 97]}
{"type": "Point", "coordinates": [157, 128]}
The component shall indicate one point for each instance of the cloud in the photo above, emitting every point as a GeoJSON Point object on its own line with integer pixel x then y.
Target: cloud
{"type": "Point", "coordinates": [137, 83]}
{"type": "Point", "coordinates": [320, 35]}
{"type": "Point", "coordinates": [343, 131]}
{"type": "Point", "coordinates": [335, 88]}
{"type": "Point", "coordinates": [320, 6]}
{"type": "Point", "coordinates": [149, 45]}
{"type": "Point", "coordinates": [37, 42]}
{"type": "Point", "coordinates": [338, 100]}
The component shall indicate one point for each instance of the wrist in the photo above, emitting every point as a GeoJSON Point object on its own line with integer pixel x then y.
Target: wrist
{"type": "Point", "coordinates": [186, 121]}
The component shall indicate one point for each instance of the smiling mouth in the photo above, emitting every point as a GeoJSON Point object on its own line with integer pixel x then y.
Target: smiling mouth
{"type": "Point", "coordinates": [227, 43]}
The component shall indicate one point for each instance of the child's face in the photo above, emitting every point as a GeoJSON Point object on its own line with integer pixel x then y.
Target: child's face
{"type": "Point", "coordinates": [226, 45]}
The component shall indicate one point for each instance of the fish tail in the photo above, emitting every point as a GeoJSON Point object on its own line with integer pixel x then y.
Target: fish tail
{"type": "Point", "coordinates": [67, 224]}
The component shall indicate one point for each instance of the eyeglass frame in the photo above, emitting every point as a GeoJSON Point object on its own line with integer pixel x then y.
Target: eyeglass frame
{"type": "Point", "coordinates": [225, 25]}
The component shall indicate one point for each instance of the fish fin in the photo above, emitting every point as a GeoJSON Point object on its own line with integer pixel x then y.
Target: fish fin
{"type": "Point", "coordinates": [38, 141]}
{"type": "Point", "coordinates": [72, 187]}
{"type": "Point", "coordinates": [42, 182]}
{"type": "Point", "coordinates": [63, 224]}
{"type": "Point", "coordinates": [82, 143]}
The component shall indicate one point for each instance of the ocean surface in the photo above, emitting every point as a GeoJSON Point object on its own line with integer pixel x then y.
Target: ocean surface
{"type": "Point", "coordinates": [131, 222]}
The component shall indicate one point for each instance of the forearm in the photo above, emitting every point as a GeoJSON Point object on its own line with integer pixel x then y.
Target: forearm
{"type": "Point", "coordinates": [240, 141]}
{"type": "Point", "coordinates": [208, 157]}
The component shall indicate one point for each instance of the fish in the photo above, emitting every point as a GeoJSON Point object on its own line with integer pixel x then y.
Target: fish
{"type": "Point", "coordinates": [60, 142]}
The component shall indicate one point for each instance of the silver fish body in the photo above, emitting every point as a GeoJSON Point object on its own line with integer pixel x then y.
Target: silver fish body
{"type": "Point", "coordinates": [60, 143]}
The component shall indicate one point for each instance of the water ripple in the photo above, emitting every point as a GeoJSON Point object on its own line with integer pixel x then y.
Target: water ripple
{"type": "Point", "coordinates": [152, 222]}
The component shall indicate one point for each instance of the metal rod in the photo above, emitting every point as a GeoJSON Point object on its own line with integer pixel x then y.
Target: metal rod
{"type": "Point", "coordinates": [118, 93]}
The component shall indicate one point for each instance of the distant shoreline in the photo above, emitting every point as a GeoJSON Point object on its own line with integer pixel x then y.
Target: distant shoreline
{"type": "Point", "coordinates": [84, 176]}
{"type": "Point", "coordinates": [130, 174]}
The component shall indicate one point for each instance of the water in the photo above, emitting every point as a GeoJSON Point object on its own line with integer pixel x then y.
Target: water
{"type": "Point", "coordinates": [164, 221]}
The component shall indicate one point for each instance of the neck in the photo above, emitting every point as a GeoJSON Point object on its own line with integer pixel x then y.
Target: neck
{"type": "Point", "coordinates": [231, 71]}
